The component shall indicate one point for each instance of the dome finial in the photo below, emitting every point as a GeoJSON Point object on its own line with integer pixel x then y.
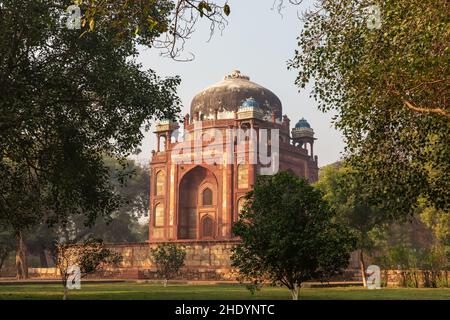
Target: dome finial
{"type": "Point", "coordinates": [236, 74]}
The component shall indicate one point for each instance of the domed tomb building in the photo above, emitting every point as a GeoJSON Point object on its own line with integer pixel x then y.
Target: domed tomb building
{"type": "Point", "coordinates": [199, 177]}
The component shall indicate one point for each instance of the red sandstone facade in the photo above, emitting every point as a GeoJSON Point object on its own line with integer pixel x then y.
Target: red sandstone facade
{"type": "Point", "coordinates": [201, 200]}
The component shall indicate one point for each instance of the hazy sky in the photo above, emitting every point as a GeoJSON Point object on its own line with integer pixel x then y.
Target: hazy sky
{"type": "Point", "coordinates": [258, 42]}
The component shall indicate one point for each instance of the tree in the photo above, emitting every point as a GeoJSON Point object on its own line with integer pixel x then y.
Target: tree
{"type": "Point", "coordinates": [174, 20]}
{"type": "Point", "coordinates": [66, 102]}
{"type": "Point", "coordinates": [89, 256]}
{"type": "Point", "coordinates": [438, 221]}
{"type": "Point", "coordinates": [40, 242]}
{"type": "Point", "coordinates": [348, 195]}
{"type": "Point", "coordinates": [7, 245]}
{"type": "Point", "coordinates": [130, 184]}
{"type": "Point", "coordinates": [18, 204]}
{"type": "Point", "coordinates": [288, 234]}
{"type": "Point", "coordinates": [168, 258]}
{"type": "Point", "coordinates": [384, 70]}
{"type": "Point", "coordinates": [417, 248]}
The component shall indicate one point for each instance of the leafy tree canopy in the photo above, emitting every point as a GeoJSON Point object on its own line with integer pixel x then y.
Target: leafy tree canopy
{"type": "Point", "coordinates": [66, 103]}
{"type": "Point", "coordinates": [89, 256]}
{"type": "Point", "coordinates": [347, 193]}
{"type": "Point", "coordinates": [388, 84]}
{"type": "Point", "coordinates": [288, 234]}
{"type": "Point", "coordinates": [173, 20]}
{"type": "Point", "coordinates": [168, 258]}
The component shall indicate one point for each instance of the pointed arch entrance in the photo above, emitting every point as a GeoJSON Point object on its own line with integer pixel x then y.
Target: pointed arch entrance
{"type": "Point", "coordinates": [198, 198]}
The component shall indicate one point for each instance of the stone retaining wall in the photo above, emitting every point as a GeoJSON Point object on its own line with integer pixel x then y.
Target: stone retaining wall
{"type": "Point", "coordinates": [205, 260]}
{"type": "Point", "coordinates": [416, 278]}
{"type": "Point", "coordinates": [210, 260]}
{"type": "Point", "coordinates": [44, 273]}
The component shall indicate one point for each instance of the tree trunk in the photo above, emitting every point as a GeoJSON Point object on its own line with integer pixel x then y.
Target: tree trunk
{"type": "Point", "coordinates": [51, 258]}
{"type": "Point", "coordinates": [43, 258]}
{"type": "Point", "coordinates": [21, 257]}
{"type": "Point", "coordinates": [295, 291]}
{"type": "Point", "coordinates": [2, 259]}
{"type": "Point", "coordinates": [66, 292]}
{"type": "Point", "coordinates": [362, 265]}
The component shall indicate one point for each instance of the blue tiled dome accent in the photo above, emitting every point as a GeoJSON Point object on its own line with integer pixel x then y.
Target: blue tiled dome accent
{"type": "Point", "coordinates": [302, 123]}
{"type": "Point", "coordinates": [250, 103]}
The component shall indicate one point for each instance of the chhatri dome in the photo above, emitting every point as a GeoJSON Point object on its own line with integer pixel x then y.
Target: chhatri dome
{"type": "Point", "coordinates": [250, 103]}
{"type": "Point", "coordinates": [234, 91]}
{"type": "Point", "coordinates": [302, 123]}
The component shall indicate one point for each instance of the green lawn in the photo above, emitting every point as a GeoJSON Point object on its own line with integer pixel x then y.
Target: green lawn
{"type": "Point", "coordinates": [126, 291]}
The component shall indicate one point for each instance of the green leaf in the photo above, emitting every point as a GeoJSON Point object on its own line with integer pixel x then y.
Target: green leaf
{"type": "Point", "coordinates": [226, 9]}
{"type": "Point", "coordinates": [91, 25]}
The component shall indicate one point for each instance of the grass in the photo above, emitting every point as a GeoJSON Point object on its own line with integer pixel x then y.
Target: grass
{"type": "Point", "coordinates": [143, 291]}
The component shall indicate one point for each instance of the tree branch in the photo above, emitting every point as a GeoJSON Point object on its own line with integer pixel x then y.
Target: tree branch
{"type": "Point", "coordinates": [440, 111]}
